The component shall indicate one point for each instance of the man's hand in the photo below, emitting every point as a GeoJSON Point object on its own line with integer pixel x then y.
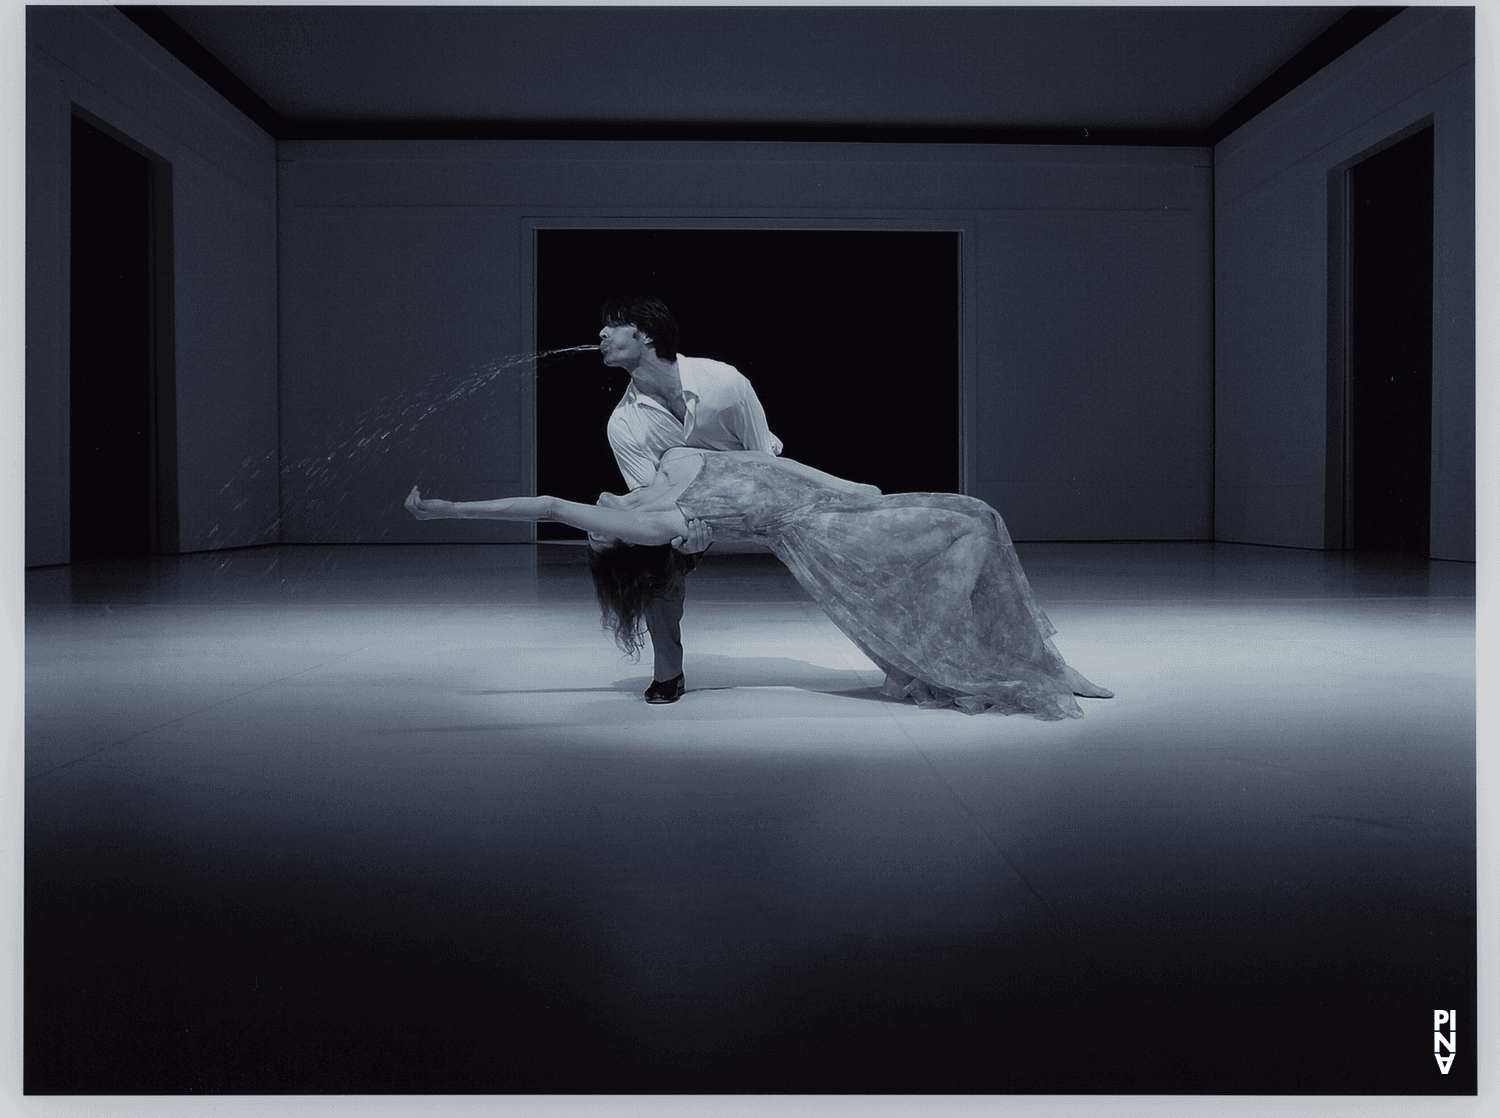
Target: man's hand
{"type": "Point", "coordinates": [699, 536]}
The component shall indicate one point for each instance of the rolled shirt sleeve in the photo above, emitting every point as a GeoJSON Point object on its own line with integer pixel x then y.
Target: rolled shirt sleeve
{"type": "Point", "coordinates": [726, 412]}
{"type": "Point", "coordinates": [751, 426]}
{"type": "Point", "coordinates": [723, 413]}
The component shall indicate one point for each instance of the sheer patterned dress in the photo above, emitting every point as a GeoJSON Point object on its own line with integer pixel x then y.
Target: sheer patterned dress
{"type": "Point", "coordinates": [926, 584]}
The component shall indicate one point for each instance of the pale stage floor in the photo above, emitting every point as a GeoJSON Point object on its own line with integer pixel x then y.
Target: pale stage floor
{"type": "Point", "coordinates": [397, 819]}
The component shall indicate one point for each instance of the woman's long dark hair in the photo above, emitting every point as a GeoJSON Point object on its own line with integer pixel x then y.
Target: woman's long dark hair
{"type": "Point", "coordinates": [626, 578]}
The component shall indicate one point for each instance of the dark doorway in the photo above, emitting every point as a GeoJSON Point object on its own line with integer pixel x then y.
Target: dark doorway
{"type": "Point", "coordinates": [1390, 349]}
{"type": "Point", "coordinates": [851, 339]}
{"type": "Point", "coordinates": [112, 457]}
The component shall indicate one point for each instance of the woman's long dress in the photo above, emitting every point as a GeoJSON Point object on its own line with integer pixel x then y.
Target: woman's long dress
{"type": "Point", "coordinates": [926, 584]}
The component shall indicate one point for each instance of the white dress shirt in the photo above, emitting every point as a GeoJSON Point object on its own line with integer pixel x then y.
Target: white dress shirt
{"type": "Point", "coordinates": [723, 413]}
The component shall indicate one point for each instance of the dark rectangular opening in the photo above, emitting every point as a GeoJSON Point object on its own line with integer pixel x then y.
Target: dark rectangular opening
{"type": "Point", "coordinates": [122, 439]}
{"type": "Point", "coordinates": [1388, 358]}
{"type": "Point", "coordinates": [850, 337]}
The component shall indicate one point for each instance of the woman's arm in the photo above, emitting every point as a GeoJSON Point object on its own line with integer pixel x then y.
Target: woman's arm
{"type": "Point", "coordinates": [634, 499]}
{"type": "Point", "coordinates": [650, 528]}
{"type": "Point", "coordinates": [659, 527]}
{"type": "Point", "coordinates": [503, 508]}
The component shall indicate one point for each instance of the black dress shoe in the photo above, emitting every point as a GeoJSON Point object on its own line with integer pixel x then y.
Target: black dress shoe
{"type": "Point", "coordinates": [668, 692]}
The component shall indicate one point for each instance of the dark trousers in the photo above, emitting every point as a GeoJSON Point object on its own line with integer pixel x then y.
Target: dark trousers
{"type": "Point", "coordinates": [664, 620]}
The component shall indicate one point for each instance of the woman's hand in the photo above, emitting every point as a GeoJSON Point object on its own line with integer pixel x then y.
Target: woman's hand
{"type": "Point", "coordinates": [430, 509]}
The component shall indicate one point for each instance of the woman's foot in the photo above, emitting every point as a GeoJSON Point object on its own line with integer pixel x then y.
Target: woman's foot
{"type": "Point", "coordinates": [1083, 688]}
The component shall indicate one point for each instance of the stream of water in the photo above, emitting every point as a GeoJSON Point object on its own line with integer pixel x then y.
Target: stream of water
{"type": "Point", "coordinates": [321, 480]}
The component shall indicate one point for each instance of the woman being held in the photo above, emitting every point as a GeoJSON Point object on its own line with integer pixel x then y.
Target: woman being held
{"type": "Point", "coordinates": [926, 584]}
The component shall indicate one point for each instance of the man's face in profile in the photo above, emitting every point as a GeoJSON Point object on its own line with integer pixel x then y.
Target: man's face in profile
{"type": "Point", "coordinates": [622, 346]}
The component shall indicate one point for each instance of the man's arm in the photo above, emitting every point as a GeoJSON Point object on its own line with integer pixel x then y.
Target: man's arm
{"type": "Point", "coordinates": [842, 485]}
{"type": "Point", "coordinates": [750, 421]}
{"type": "Point", "coordinates": [637, 467]}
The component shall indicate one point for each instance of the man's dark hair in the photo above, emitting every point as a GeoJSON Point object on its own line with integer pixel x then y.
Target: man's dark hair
{"type": "Point", "coordinates": [650, 316]}
{"type": "Point", "coordinates": [626, 579]}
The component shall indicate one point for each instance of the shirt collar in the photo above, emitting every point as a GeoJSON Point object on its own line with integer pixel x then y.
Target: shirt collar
{"type": "Point", "coordinates": [689, 378]}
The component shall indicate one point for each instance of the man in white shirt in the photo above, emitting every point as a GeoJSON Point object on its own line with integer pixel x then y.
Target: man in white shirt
{"type": "Point", "coordinates": [672, 401]}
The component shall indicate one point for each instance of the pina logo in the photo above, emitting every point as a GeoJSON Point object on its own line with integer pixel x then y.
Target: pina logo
{"type": "Point", "coordinates": [1441, 1017]}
